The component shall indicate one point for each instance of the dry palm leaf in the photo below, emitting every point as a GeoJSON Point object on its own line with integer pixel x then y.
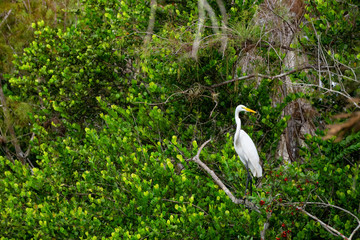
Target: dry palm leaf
{"type": "Point", "coordinates": [341, 129]}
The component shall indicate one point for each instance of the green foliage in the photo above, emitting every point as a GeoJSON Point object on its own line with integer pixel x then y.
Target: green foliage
{"type": "Point", "coordinates": [337, 168]}
{"type": "Point", "coordinates": [15, 28]}
{"type": "Point", "coordinates": [334, 24]}
{"type": "Point", "coordinates": [68, 69]}
{"type": "Point", "coordinates": [20, 113]}
{"type": "Point", "coordinates": [125, 118]}
{"type": "Point", "coordinates": [117, 184]}
{"type": "Point", "coordinates": [122, 181]}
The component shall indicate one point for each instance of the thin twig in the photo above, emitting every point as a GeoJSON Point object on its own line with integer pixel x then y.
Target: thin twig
{"type": "Point", "coordinates": [216, 103]}
{"type": "Point", "coordinates": [263, 76]}
{"type": "Point", "coordinates": [29, 148]}
{"type": "Point", "coordinates": [160, 103]}
{"type": "Point", "coordinates": [263, 232]}
{"type": "Point", "coordinates": [329, 90]}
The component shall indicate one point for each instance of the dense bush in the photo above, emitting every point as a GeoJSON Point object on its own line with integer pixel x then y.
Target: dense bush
{"type": "Point", "coordinates": [117, 121]}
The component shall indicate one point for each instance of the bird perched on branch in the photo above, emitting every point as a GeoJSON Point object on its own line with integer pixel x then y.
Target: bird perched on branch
{"type": "Point", "coordinates": [246, 149]}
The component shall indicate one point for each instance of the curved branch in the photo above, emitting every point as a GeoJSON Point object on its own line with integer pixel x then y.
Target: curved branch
{"type": "Point", "coordinates": [342, 209]}
{"type": "Point", "coordinates": [326, 226]}
{"type": "Point", "coordinates": [220, 183]}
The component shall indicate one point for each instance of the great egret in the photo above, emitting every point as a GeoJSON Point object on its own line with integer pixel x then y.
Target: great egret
{"type": "Point", "coordinates": [246, 149]}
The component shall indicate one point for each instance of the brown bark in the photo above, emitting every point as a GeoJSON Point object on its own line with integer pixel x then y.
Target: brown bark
{"type": "Point", "coordinates": [279, 19]}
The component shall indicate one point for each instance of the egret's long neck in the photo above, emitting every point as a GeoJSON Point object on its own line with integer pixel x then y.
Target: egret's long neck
{"type": "Point", "coordinates": [238, 124]}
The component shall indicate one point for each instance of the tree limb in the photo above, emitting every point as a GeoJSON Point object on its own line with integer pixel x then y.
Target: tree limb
{"type": "Point", "coordinates": [342, 209]}
{"type": "Point", "coordinates": [263, 76]}
{"type": "Point", "coordinates": [285, 74]}
{"type": "Point", "coordinates": [329, 90]}
{"type": "Point", "coordinates": [210, 11]}
{"type": "Point", "coordinates": [6, 16]}
{"type": "Point", "coordinates": [326, 226]}
{"type": "Point", "coordinates": [220, 183]}
{"type": "Point", "coordinates": [150, 28]}
{"type": "Point", "coordinates": [224, 21]}
{"type": "Point", "coordinates": [199, 29]}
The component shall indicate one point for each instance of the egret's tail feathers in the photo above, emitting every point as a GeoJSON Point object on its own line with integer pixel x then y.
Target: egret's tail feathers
{"type": "Point", "coordinates": [256, 170]}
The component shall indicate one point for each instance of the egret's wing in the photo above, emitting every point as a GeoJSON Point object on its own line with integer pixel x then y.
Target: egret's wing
{"type": "Point", "coordinates": [239, 149]}
{"type": "Point", "coordinates": [251, 154]}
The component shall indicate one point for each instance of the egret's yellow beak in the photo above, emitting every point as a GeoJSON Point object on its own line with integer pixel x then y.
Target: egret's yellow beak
{"type": "Point", "coordinates": [249, 110]}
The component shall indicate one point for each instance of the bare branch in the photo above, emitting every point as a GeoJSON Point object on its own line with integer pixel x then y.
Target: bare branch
{"type": "Point", "coordinates": [344, 94]}
{"type": "Point", "coordinates": [6, 16]}
{"type": "Point", "coordinates": [150, 28]}
{"type": "Point", "coordinates": [220, 183]}
{"type": "Point", "coordinates": [161, 103]}
{"type": "Point", "coordinates": [355, 230]}
{"type": "Point", "coordinates": [326, 226]}
{"type": "Point", "coordinates": [263, 76]}
{"type": "Point", "coordinates": [342, 209]}
{"type": "Point", "coordinates": [216, 103]}
{"type": "Point", "coordinates": [26, 7]}
{"type": "Point", "coordinates": [329, 90]}
{"type": "Point", "coordinates": [262, 233]}
{"type": "Point", "coordinates": [28, 1]}
{"type": "Point", "coordinates": [215, 25]}
{"type": "Point", "coordinates": [28, 150]}
{"type": "Point", "coordinates": [224, 21]}
{"type": "Point", "coordinates": [199, 29]}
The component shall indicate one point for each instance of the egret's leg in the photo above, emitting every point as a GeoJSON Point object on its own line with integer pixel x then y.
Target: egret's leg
{"type": "Point", "coordinates": [247, 180]}
{"type": "Point", "coordinates": [251, 182]}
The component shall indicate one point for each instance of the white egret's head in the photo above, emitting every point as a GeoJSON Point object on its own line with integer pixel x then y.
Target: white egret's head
{"type": "Point", "coordinates": [242, 108]}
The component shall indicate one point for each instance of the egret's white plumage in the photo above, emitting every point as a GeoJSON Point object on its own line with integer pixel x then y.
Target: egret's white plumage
{"type": "Point", "coordinates": [245, 147]}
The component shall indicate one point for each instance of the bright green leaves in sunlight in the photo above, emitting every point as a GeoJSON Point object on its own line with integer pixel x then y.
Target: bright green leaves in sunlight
{"type": "Point", "coordinates": [119, 181]}
{"type": "Point", "coordinates": [113, 122]}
